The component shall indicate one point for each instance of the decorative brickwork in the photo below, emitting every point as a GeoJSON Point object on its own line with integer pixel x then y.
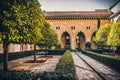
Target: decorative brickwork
{"type": "Point", "coordinates": [75, 22]}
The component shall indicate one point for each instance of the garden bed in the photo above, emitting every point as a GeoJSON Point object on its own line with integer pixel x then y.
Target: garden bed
{"type": "Point", "coordinates": [65, 70]}
{"type": "Point", "coordinates": [37, 61]}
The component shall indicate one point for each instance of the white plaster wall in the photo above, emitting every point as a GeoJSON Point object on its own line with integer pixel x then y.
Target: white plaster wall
{"type": "Point", "coordinates": [116, 18]}
{"type": "Point", "coordinates": [17, 47]}
{"type": "Point", "coordinates": [116, 8]}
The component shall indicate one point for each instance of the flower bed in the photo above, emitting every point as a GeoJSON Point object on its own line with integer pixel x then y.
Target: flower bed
{"type": "Point", "coordinates": [37, 61]}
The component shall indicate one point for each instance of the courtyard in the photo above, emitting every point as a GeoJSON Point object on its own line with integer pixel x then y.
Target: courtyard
{"type": "Point", "coordinates": [60, 40]}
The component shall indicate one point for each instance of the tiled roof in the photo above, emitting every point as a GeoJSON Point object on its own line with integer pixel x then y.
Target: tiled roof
{"type": "Point", "coordinates": [79, 13]}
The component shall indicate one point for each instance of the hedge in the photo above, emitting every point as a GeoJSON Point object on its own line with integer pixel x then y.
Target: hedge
{"type": "Point", "coordinates": [19, 75]}
{"type": "Point", "coordinates": [112, 61]}
{"type": "Point", "coordinates": [104, 50]}
{"type": "Point", "coordinates": [17, 55]}
{"type": "Point", "coordinates": [66, 65]}
{"type": "Point", "coordinates": [56, 52]}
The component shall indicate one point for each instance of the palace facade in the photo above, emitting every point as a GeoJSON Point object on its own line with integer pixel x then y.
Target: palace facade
{"type": "Point", "coordinates": [75, 28]}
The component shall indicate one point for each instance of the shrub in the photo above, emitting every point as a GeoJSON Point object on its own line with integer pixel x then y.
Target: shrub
{"type": "Point", "coordinates": [16, 55]}
{"type": "Point", "coordinates": [66, 65]}
{"type": "Point", "coordinates": [56, 76]}
{"type": "Point", "coordinates": [19, 75]}
{"type": "Point", "coordinates": [15, 75]}
{"type": "Point", "coordinates": [56, 52]}
{"type": "Point", "coordinates": [88, 45]}
{"type": "Point", "coordinates": [21, 54]}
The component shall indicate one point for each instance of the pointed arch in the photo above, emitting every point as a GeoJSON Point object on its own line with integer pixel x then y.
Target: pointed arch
{"type": "Point", "coordinates": [80, 40]}
{"type": "Point", "coordinates": [65, 40]}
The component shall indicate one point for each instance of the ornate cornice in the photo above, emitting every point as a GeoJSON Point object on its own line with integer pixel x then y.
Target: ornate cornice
{"type": "Point", "coordinates": [84, 15]}
{"type": "Point", "coordinates": [74, 18]}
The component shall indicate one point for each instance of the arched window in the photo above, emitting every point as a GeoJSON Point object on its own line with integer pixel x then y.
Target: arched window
{"type": "Point", "coordinates": [73, 27]}
{"type": "Point", "coordinates": [87, 27]}
{"type": "Point", "coordinates": [57, 27]}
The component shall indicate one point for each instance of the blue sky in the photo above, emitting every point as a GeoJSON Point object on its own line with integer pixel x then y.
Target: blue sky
{"type": "Point", "coordinates": [75, 5]}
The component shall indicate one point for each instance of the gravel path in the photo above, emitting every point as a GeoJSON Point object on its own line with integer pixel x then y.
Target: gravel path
{"type": "Point", "coordinates": [47, 66]}
{"type": "Point", "coordinates": [84, 72]}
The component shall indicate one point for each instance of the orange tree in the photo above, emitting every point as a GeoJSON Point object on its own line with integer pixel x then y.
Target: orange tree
{"type": "Point", "coordinates": [114, 35]}
{"type": "Point", "coordinates": [101, 35]}
{"type": "Point", "coordinates": [20, 22]}
{"type": "Point", "coordinates": [49, 37]}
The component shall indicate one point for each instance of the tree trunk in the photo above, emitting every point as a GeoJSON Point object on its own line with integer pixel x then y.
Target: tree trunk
{"type": "Point", "coordinates": [5, 59]}
{"type": "Point", "coordinates": [34, 52]}
{"type": "Point", "coordinates": [109, 49]}
{"type": "Point", "coordinates": [46, 50]}
{"type": "Point", "coordinates": [118, 50]}
{"type": "Point", "coordinates": [114, 50]}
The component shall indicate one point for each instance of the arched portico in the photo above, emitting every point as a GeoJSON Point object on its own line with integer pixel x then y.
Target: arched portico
{"type": "Point", "coordinates": [80, 40]}
{"type": "Point", "coordinates": [74, 29]}
{"type": "Point", "coordinates": [65, 40]}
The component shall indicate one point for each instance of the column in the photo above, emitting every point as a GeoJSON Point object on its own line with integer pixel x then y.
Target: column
{"type": "Point", "coordinates": [87, 39]}
{"type": "Point", "coordinates": [73, 42]}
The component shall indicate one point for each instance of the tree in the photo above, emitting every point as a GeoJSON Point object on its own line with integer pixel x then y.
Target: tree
{"type": "Point", "coordinates": [114, 35]}
{"type": "Point", "coordinates": [49, 37]}
{"type": "Point", "coordinates": [101, 35]}
{"type": "Point", "coordinates": [37, 21]}
{"type": "Point", "coordinates": [98, 25]}
{"type": "Point", "coordinates": [18, 24]}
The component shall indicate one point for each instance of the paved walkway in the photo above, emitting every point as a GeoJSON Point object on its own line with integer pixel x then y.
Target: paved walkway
{"type": "Point", "coordinates": [84, 72]}
{"type": "Point", "coordinates": [19, 64]}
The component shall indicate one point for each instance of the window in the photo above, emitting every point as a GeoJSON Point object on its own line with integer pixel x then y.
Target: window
{"type": "Point", "coordinates": [58, 27]}
{"type": "Point", "coordinates": [88, 27]}
{"type": "Point", "coordinates": [72, 27]}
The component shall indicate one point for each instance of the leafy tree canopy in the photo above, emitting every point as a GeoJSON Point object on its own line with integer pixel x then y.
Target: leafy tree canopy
{"type": "Point", "coordinates": [102, 33]}
{"type": "Point", "coordinates": [21, 21]}
{"type": "Point", "coordinates": [114, 35]}
{"type": "Point", "coordinates": [49, 36]}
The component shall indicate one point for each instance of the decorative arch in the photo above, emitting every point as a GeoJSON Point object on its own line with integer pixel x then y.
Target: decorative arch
{"type": "Point", "coordinates": [80, 40]}
{"type": "Point", "coordinates": [65, 40]}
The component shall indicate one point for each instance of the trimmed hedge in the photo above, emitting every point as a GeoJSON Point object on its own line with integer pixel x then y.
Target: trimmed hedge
{"type": "Point", "coordinates": [56, 52]}
{"type": "Point", "coordinates": [19, 75]}
{"type": "Point", "coordinates": [100, 51]}
{"type": "Point", "coordinates": [111, 61]}
{"type": "Point", "coordinates": [66, 65]}
{"type": "Point", "coordinates": [17, 55]}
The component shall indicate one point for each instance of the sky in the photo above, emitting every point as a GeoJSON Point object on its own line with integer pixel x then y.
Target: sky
{"type": "Point", "coordinates": [75, 5]}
